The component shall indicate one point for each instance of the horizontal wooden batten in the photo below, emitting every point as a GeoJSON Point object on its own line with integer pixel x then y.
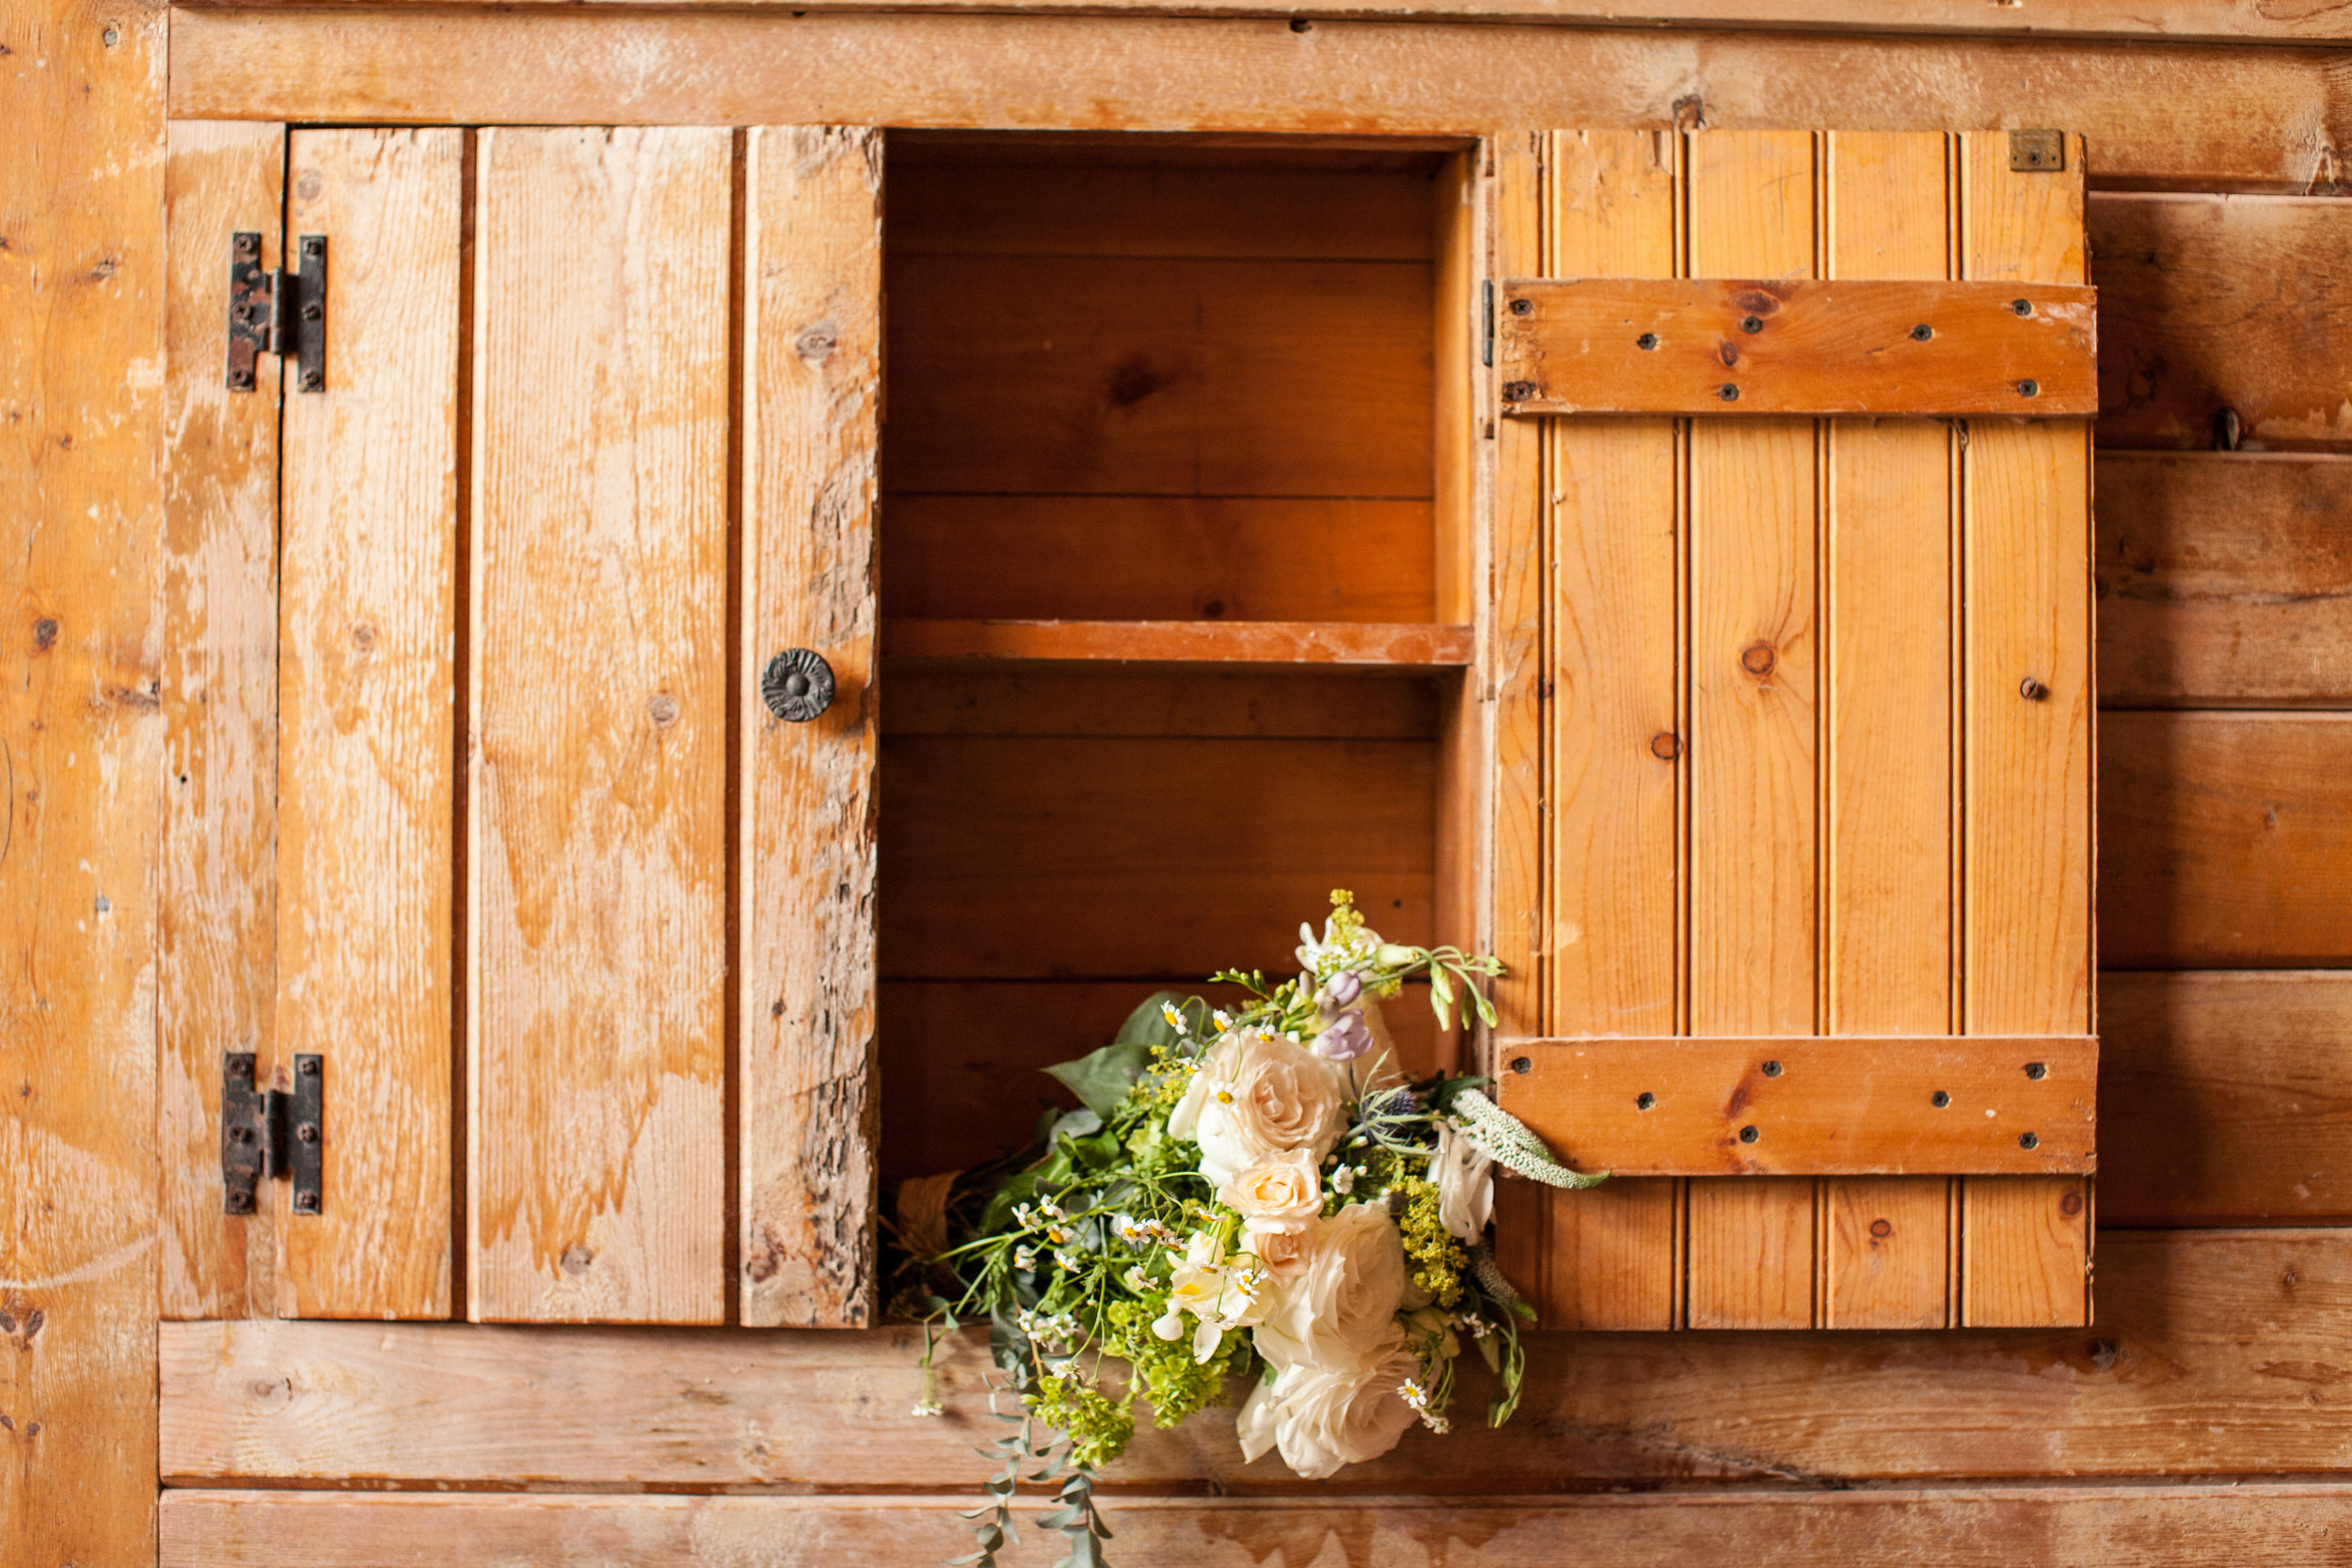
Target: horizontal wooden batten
{"type": "Point", "coordinates": [2217, 1353]}
{"type": "Point", "coordinates": [1403, 645]}
{"type": "Point", "coordinates": [1796, 347]}
{"type": "Point", "coordinates": [1833, 1105]}
{"type": "Point", "coordinates": [2120, 1525]}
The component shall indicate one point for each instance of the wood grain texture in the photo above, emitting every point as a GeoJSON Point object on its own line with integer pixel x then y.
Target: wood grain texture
{"type": "Point", "coordinates": [2222, 301]}
{"type": "Point", "coordinates": [597, 948]}
{"type": "Point", "coordinates": [216, 925]}
{"type": "Point", "coordinates": [2224, 1096]}
{"type": "Point", "coordinates": [1753, 684]}
{"type": "Point", "coordinates": [84, 289]}
{"type": "Point", "coordinates": [1158, 558]}
{"type": "Point", "coordinates": [2172, 1383]}
{"type": "Point", "coordinates": [1829, 1105]}
{"type": "Point", "coordinates": [1112, 698]}
{"type": "Point", "coordinates": [1162, 376]}
{"type": "Point", "coordinates": [2029, 847]}
{"type": "Point", "coordinates": [1349, 643]}
{"type": "Point", "coordinates": [806, 873]}
{"type": "Point", "coordinates": [2224, 579]}
{"type": "Point", "coordinates": [2223, 840]}
{"type": "Point", "coordinates": [1611, 525]}
{"type": "Point", "coordinates": [1106, 858]}
{"type": "Point", "coordinates": [1572, 345]}
{"type": "Point", "coordinates": [1462, 538]}
{"type": "Point", "coordinates": [367, 722]}
{"type": "Point", "coordinates": [1889, 880]}
{"type": "Point", "coordinates": [2294, 1524]}
{"type": "Point", "coordinates": [2207, 117]}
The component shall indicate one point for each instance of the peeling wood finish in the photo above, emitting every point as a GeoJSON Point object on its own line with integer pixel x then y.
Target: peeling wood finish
{"type": "Point", "coordinates": [2289, 1524]}
{"type": "Point", "coordinates": [2170, 1382]}
{"type": "Point", "coordinates": [2215, 118]}
{"type": "Point", "coordinates": [812, 404]}
{"type": "Point", "coordinates": [217, 926]}
{"type": "Point", "coordinates": [367, 722]}
{"type": "Point", "coordinates": [84, 407]}
{"type": "Point", "coordinates": [596, 941]}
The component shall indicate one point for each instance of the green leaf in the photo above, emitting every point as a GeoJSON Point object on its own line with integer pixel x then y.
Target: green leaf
{"type": "Point", "coordinates": [1103, 1079]}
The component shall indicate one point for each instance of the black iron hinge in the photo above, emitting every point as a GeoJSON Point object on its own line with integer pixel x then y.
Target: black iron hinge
{"type": "Point", "coordinates": [272, 1132]}
{"type": "Point", "coordinates": [1486, 337]}
{"type": "Point", "coordinates": [277, 311]}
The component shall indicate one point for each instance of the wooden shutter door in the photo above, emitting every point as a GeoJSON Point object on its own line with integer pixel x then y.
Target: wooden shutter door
{"type": "Point", "coordinates": [1814, 716]}
{"type": "Point", "coordinates": [478, 809]}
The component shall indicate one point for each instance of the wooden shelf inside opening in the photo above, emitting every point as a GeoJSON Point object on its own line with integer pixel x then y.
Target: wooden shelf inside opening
{"type": "Point", "coordinates": [1407, 646]}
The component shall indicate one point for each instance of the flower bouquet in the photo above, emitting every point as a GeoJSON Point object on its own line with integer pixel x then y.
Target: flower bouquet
{"type": "Point", "coordinates": [1248, 1200]}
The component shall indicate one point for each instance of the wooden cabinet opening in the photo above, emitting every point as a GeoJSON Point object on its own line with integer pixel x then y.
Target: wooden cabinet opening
{"type": "Point", "coordinates": [1174, 608]}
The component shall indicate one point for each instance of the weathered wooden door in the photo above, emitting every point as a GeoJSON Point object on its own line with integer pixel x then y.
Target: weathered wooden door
{"type": "Point", "coordinates": [504, 798]}
{"type": "Point", "coordinates": [1809, 699]}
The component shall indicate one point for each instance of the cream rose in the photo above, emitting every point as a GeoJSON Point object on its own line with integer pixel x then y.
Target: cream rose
{"type": "Point", "coordinates": [1340, 1307]}
{"type": "Point", "coordinates": [1282, 1192]}
{"type": "Point", "coordinates": [1465, 1186]}
{"type": "Point", "coordinates": [1285, 1253]}
{"type": "Point", "coordinates": [1258, 1094]}
{"type": "Point", "coordinates": [1321, 1420]}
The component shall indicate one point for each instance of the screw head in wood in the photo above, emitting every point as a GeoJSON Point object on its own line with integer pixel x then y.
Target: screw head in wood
{"type": "Point", "coordinates": [306, 1203]}
{"type": "Point", "coordinates": [313, 380]}
{"type": "Point", "coordinates": [2037, 1070]}
{"type": "Point", "coordinates": [2021, 306]}
{"type": "Point", "coordinates": [310, 1068]}
{"type": "Point", "coordinates": [1751, 324]}
{"type": "Point", "coordinates": [1772, 1069]}
{"type": "Point", "coordinates": [2032, 689]}
{"type": "Point", "coordinates": [1518, 391]}
{"type": "Point", "coordinates": [1643, 1101]}
{"type": "Point", "coordinates": [2028, 1140]}
{"type": "Point", "coordinates": [1646, 341]}
{"type": "Point", "coordinates": [1521, 1064]}
{"type": "Point", "coordinates": [1939, 1100]}
{"type": "Point", "coordinates": [1749, 1134]}
{"type": "Point", "coordinates": [1522, 306]}
{"type": "Point", "coordinates": [1729, 393]}
{"type": "Point", "coordinates": [307, 1133]}
{"type": "Point", "coordinates": [2029, 388]}
{"type": "Point", "coordinates": [1922, 332]}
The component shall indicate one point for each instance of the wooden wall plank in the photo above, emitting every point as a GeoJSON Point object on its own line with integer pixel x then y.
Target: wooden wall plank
{"type": "Point", "coordinates": [2172, 1383]}
{"type": "Point", "coordinates": [1754, 754]}
{"type": "Point", "coordinates": [2209, 302]}
{"type": "Point", "coordinates": [2222, 840]}
{"type": "Point", "coordinates": [1105, 858]}
{"type": "Point", "coordinates": [2027, 699]}
{"type": "Point", "coordinates": [2296, 1524]}
{"type": "Point", "coordinates": [964, 697]}
{"type": "Point", "coordinates": [217, 921]}
{"type": "Point", "coordinates": [367, 722]}
{"type": "Point", "coordinates": [806, 868]}
{"type": "Point", "coordinates": [1891, 840]}
{"type": "Point", "coordinates": [597, 948]}
{"type": "Point", "coordinates": [1173, 376]}
{"type": "Point", "coordinates": [2221, 1096]}
{"type": "Point", "coordinates": [1158, 558]}
{"type": "Point", "coordinates": [1461, 539]}
{"type": "Point", "coordinates": [2224, 579]}
{"type": "Point", "coordinates": [2208, 118]}
{"type": "Point", "coordinates": [1613, 513]}
{"type": "Point", "coordinates": [84, 288]}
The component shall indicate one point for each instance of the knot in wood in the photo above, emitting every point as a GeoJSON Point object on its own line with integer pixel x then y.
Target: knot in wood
{"type": "Point", "coordinates": [1757, 658]}
{"type": "Point", "coordinates": [1666, 746]}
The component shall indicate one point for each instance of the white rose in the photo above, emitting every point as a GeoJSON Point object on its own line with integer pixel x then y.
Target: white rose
{"type": "Point", "coordinates": [1340, 1307]}
{"type": "Point", "coordinates": [1465, 1186]}
{"type": "Point", "coordinates": [1282, 1192]}
{"type": "Point", "coordinates": [1258, 1094]}
{"type": "Point", "coordinates": [1321, 1420]}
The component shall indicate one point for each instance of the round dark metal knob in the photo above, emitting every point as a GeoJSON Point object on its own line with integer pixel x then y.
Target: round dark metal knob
{"type": "Point", "coordinates": [797, 686]}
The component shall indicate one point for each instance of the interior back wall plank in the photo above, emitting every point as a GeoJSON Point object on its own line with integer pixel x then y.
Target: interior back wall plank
{"type": "Point", "coordinates": [2208, 118]}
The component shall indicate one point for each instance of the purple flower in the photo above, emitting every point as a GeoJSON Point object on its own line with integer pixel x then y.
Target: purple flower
{"type": "Point", "coordinates": [1348, 1037]}
{"type": "Point", "coordinates": [1342, 989]}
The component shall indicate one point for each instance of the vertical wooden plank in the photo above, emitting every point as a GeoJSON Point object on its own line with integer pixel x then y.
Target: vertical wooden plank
{"type": "Point", "coordinates": [1890, 678]}
{"type": "Point", "coordinates": [1512, 674]}
{"type": "Point", "coordinates": [82, 289]}
{"type": "Point", "coordinates": [1754, 559]}
{"type": "Point", "coordinates": [2025, 1247]}
{"type": "Point", "coordinates": [1616, 752]}
{"type": "Point", "coordinates": [1465, 766]}
{"type": "Point", "coordinates": [367, 731]}
{"type": "Point", "coordinates": [597, 857]}
{"type": "Point", "coordinates": [812, 401]}
{"type": "Point", "coordinates": [217, 926]}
